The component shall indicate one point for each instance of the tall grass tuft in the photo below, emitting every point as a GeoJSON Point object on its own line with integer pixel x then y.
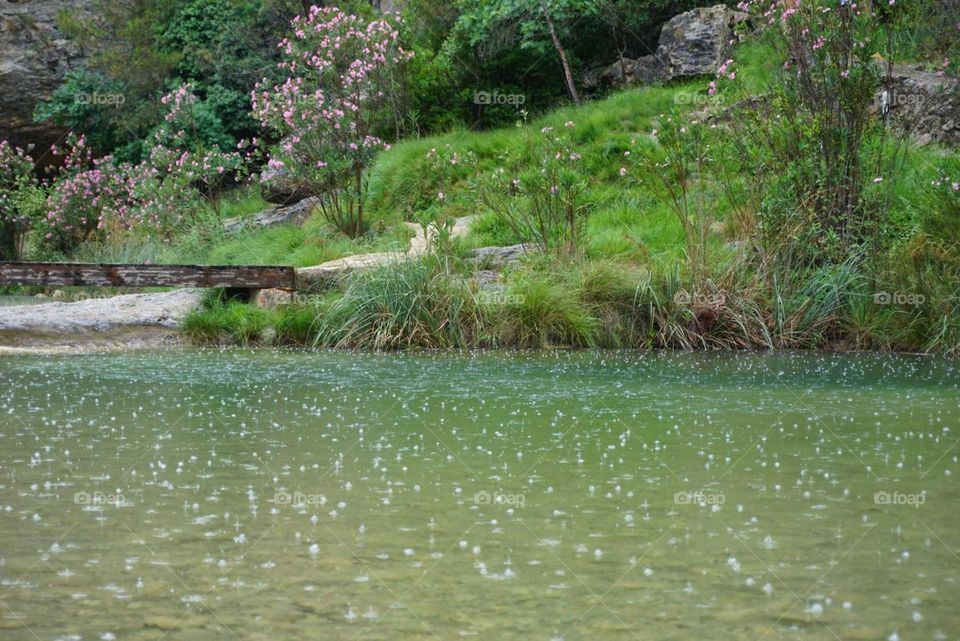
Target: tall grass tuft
{"type": "Point", "coordinates": [407, 304]}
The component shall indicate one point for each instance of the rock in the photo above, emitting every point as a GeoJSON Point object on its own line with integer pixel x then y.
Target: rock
{"type": "Point", "coordinates": [329, 273]}
{"type": "Point", "coordinates": [922, 105]}
{"type": "Point", "coordinates": [296, 213]}
{"type": "Point", "coordinates": [496, 258]}
{"type": "Point", "coordinates": [271, 298]}
{"type": "Point", "coordinates": [692, 43]}
{"type": "Point", "coordinates": [420, 243]}
{"type": "Point", "coordinates": [488, 277]}
{"type": "Point", "coordinates": [133, 320]}
{"type": "Point", "coordinates": [34, 57]}
{"type": "Point", "coordinates": [278, 187]}
{"type": "Point", "coordinates": [696, 42]}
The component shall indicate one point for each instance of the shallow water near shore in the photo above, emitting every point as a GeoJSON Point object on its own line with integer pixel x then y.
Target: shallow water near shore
{"type": "Point", "coordinates": [274, 495]}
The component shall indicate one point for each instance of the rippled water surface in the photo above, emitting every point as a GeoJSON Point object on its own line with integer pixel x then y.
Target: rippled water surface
{"type": "Point", "coordinates": [263, 495]}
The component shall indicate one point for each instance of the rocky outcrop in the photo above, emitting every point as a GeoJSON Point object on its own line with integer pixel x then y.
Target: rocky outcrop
{"type": "Point", "coordinates": [134, 320]}
{"type": "Point", "coordinates": [295, 214]}
{"type": "Point", "coordinates": [691, 44]}
{"type": "Point", "coordinates": [329, 273]}
{"type": "Point", "coordinates": [496, 258]}
{"type": "Point", "coordinates": [34, 57]}
{"type": "Point", "coordinates": [279, 187]}
{"type": "Point", "coordinates": [921, 105]}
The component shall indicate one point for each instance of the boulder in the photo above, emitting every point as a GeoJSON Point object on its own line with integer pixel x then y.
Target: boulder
{"type": "Point", "coordinates": [34, 57]}
{"type": "Point", "coordinates": [495, 258]}
{"type": "Point", "coordinates": [692, 43]}
{"type": "Point", "coordinates": [278, 187]}
{"type": "Point", "coordinates": [696, 42]}
{"type": "Point", "coordinates": [921, 105]}
{"type": "Point", "coordinates": [330, 273]}
{"type": "Point", "coordinates": [297, 214]}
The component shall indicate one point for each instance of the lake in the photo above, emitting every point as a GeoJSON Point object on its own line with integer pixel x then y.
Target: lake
{"type": "Point", "coordinates": [574, 495]}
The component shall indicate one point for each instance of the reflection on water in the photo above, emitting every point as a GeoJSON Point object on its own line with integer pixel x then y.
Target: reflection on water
{"type": "Point", "coordinates": [202, 495]}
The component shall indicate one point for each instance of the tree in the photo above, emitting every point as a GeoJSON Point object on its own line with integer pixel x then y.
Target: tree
{"type": "Point", "coordinates": [332, 109]}
{"type": "Point", "coordinates": [536, 25]}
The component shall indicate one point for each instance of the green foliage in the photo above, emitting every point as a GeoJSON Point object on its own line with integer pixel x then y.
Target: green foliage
{"type": "Point", "coordinates": [91, 103]}
{"type": "Point", "coordinates": [225, 321]}
{"type": "Point", "coordinates": [543, 204]}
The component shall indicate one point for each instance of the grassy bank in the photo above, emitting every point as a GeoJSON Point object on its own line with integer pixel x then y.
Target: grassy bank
{"type": "Point", "coordinates": [637, 281]}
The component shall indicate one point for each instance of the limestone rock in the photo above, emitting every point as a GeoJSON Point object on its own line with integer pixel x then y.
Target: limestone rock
{"type": "Point", "coordinates": [296, 214]}
{"type": "Point", "coordinates": [695, 42]}
{"type": "Point", "coordinates": [495, 258]}
{"type": "Point", "coordinates": [329, 273]}
{"type": "Point", "coordinates": [34, 57]}
{"type": "Point", "coordinates": [134, 320]}
{"type": "Point", "coordinates": [922, 105]}
{"type": "Point", "coordinates": [692, 43]}
{"type": "Point", "coordinates": [279, 187]}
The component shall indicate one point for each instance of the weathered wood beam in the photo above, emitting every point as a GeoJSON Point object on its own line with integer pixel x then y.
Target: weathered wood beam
{"type": "Point", "coordinates": [109, 275]}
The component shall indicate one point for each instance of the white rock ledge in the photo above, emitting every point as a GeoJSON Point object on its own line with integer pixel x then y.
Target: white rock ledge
{"type": "Point", "coordinates": [117, 322]}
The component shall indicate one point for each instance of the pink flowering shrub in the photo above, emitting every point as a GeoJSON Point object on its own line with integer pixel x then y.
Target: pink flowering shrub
{"type": "Point", "coordinates": [180, 178]}
{"type": "Point", "coordinates": [19, 195]}
{"type": "Point", "coordinates": [545, 203]}
{"type": "Point", "coordinates": [85, 196]}
{"type": "Point", "coordinates": [177, 182]}
{"type": "Point", "coordinates": [333, 107]}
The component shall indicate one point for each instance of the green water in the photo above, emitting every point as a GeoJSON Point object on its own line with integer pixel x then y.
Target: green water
{"type": "Point", "coordinates": [264, 495]}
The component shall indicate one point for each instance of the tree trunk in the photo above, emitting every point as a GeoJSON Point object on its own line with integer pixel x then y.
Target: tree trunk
{"type": "Point", "coordinates": [568, 77]}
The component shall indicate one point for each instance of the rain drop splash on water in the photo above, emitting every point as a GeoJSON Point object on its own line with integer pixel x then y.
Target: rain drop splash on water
{"type": "Point", "coordinates": [508, 489]}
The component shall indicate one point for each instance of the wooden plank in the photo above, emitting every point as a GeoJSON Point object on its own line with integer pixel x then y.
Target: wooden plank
{"type": "Point", "coordinates": [107, 275]}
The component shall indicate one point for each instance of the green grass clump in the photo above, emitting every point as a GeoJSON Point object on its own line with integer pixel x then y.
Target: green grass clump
{"type": "Point", "coordinates": [222, 321]}
{"type": "Point", "coordinates": [401, 305]}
